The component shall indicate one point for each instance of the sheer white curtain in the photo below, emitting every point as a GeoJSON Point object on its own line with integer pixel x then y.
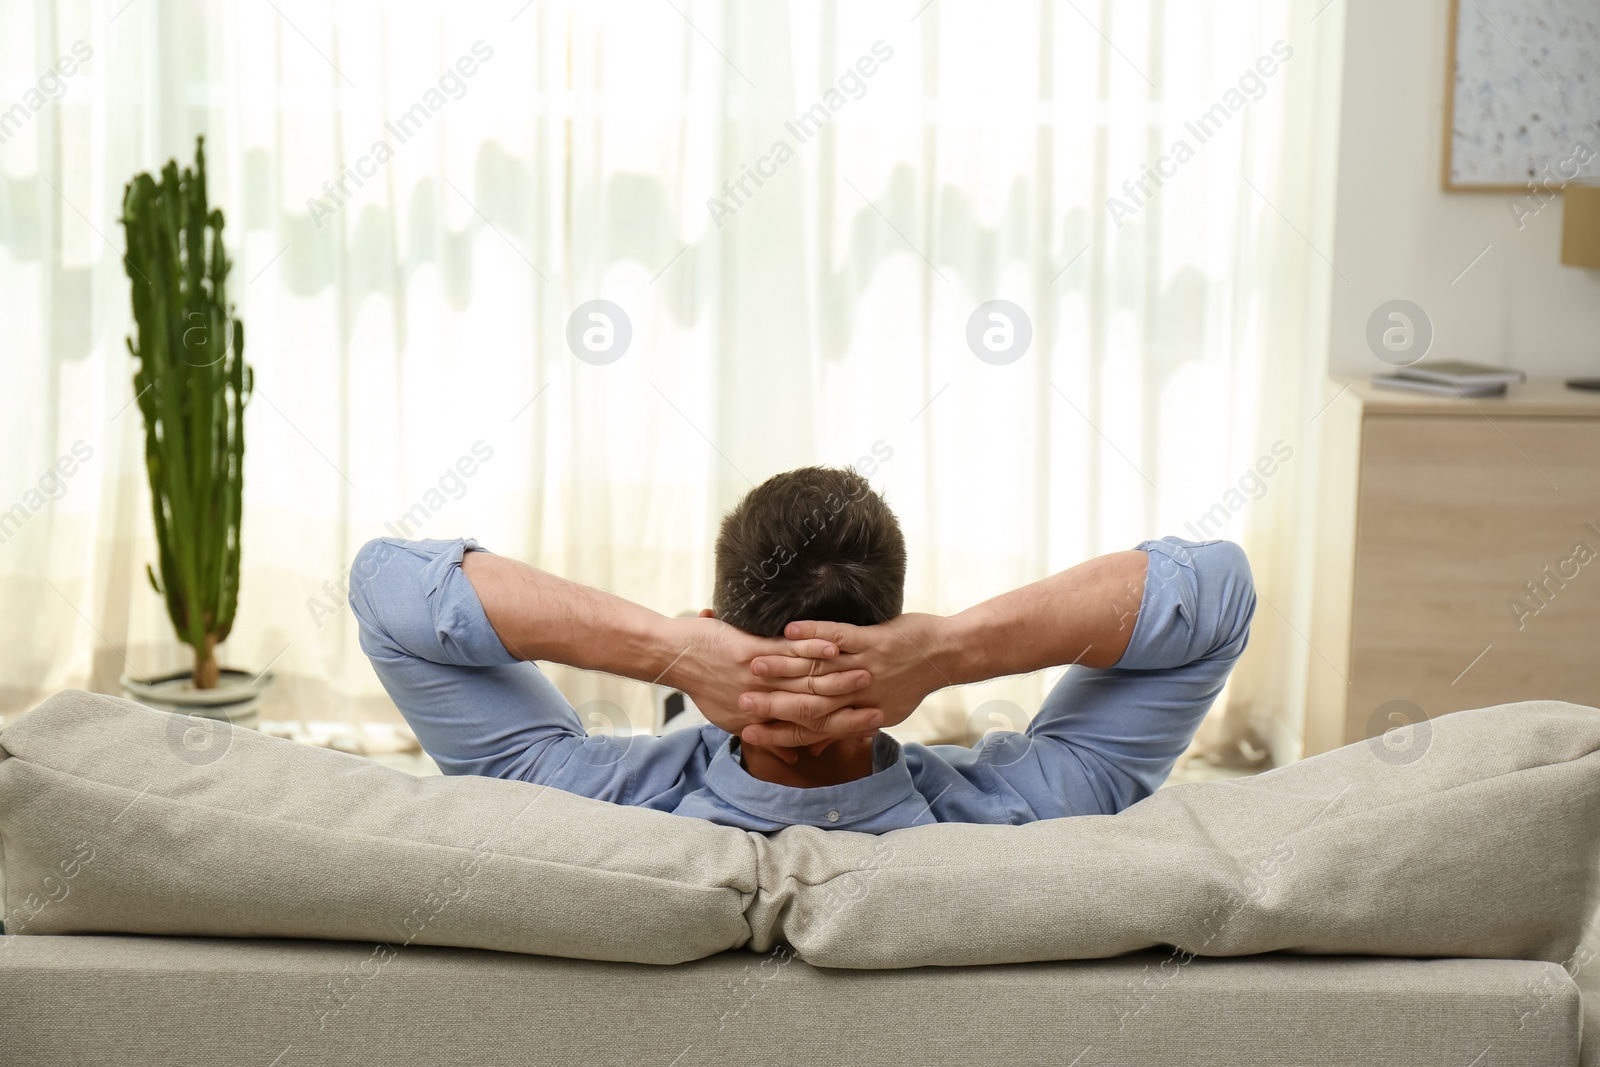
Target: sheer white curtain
{"type": "Point", "coordinates": [798, 208]}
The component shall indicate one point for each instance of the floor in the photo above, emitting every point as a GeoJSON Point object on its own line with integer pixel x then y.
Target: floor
{"type": "Point", "coordinates": [1195, 771]}
{"type": "Point", "coordinates": [415, 763]}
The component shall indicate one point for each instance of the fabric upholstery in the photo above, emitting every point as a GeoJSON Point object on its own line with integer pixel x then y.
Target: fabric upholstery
{"type": "Point", "coordinates": [182, 1002]}
{"type": "Point", "coordinates": [119, 818]}
{"type": "Point", "coordinates": [1476, 839]}
{"type": "Point", "coordinates": [1476, 835]}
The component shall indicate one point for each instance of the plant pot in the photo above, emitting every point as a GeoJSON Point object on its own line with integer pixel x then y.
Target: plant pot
{"type": "Point", "coordinates": [233, 700]}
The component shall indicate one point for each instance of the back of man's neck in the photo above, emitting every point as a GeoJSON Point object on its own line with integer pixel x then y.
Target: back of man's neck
{"type": "Point", "coordinates": [843, 761]}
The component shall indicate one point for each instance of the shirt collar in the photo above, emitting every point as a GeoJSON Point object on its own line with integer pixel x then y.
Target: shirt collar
{"type": "Point", "coordinates": [825, 805]}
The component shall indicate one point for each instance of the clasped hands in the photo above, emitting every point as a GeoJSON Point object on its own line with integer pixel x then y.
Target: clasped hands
{"type": "Point", "coordinates": [820, 682]}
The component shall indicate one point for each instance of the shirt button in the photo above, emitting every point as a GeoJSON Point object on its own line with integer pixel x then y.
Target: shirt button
{"type": "Point", "coordinates": [833, 816]}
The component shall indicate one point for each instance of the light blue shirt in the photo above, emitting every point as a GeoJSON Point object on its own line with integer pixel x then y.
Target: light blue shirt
{"type": "Point", "coordinates": [1103, 738]}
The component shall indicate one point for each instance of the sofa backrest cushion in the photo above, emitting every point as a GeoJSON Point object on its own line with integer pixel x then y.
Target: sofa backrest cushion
{"type": "Point", "coordinates": [118, 818]}
{"type": "Point", "coordinates": [1475, 834]}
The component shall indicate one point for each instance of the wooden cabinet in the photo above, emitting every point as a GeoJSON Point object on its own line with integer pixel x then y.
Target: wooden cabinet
{"type": "Point", "coordinates": [1458, 556]}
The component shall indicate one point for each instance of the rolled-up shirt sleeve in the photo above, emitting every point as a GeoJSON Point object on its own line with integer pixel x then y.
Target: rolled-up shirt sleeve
{"type": "Point", "coordinates": [478, 709]}
{"type": "Point", "coordinates": [475, 708]}
{"type": "Point", "coordinates": [411, 599]}
{"type": "Point", "coordinates": [1108, 737]}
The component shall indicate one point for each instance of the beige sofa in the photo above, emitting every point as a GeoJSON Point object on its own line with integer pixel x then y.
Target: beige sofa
{"type": "Point", "coordinates": [184, 893]}
{"type": "Point", "coordinates": [211, 1001]}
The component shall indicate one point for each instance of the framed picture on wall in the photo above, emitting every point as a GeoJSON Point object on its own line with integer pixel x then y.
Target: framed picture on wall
{"type": "Point", "coordinates": [1522, 95]}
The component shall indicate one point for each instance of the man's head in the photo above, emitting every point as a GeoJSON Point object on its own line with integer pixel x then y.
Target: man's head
{"type": "Point", "coordinates": [814, 543]}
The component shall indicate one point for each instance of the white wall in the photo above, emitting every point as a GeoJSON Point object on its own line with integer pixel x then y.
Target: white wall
{"type": "Point", "coordinates": [1397, 234]}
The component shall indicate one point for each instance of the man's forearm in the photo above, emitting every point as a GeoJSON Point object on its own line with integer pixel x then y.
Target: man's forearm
{"type": "Point", "coordinates": [1084, 615]}
{"type": "Point", "coordinates": [540, 616]}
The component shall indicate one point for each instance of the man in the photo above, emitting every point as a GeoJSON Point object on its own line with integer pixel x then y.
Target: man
{"type": "Point", "coordinates": [805, 655]}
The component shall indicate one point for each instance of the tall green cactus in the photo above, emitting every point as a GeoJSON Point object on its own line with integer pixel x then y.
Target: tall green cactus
{"type": "Point", "coordinates": [192, 384]}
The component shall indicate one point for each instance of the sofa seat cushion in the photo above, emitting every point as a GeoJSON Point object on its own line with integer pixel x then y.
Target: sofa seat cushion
{"type": "Point", "coordinates": [194, 1001]}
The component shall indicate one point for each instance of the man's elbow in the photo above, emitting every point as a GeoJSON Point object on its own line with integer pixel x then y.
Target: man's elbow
{"type": "Point", "coordinates": [366, 588]}
{"type": "Point", "coordinates": [1228, 588]}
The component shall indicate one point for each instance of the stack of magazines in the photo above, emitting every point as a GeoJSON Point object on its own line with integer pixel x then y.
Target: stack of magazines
{"type": "Point", "coordinates": [1451, 377]}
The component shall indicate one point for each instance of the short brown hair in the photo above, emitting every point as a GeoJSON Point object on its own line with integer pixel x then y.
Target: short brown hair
{"type": "Point", "coordinates": [814, 543]}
